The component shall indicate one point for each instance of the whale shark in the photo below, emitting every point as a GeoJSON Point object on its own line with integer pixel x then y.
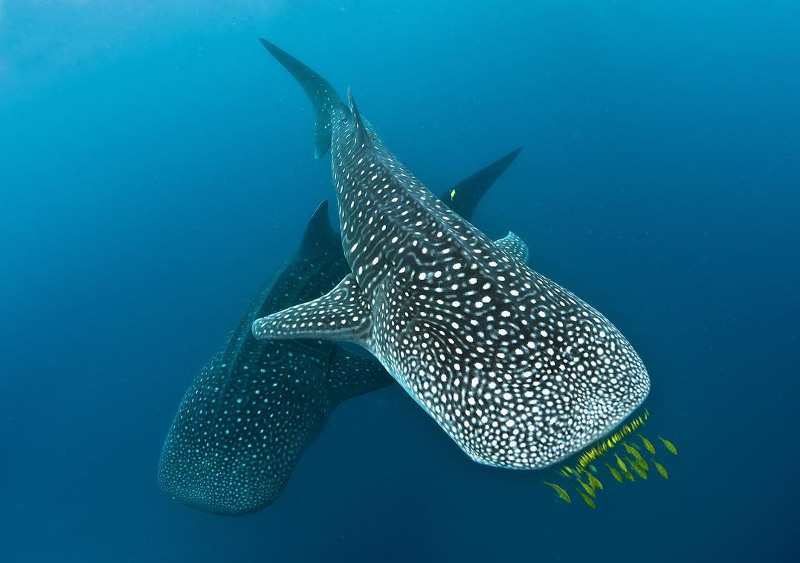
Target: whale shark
{"type": "Point", "coordinates": [517, 370]}
{"type": "Point", "coordinates": [256, 406]}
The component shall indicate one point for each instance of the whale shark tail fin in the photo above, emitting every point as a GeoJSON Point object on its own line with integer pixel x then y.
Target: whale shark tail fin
{"type": "Point", "coordinates": [465, 196]}
{"type": "Point", "coordinates": [319, 91]}
{"type": "Point", "coordinates": [351, 374]}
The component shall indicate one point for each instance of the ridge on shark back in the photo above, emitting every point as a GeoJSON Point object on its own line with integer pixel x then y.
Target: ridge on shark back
{"type": "Point", "coordinates": [517, 370]}
{"type": "Point", "coordinates": [255, 407]}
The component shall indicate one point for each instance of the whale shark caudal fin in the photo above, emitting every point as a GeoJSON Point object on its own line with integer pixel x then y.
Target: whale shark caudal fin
{"type": "Point", "coordinates": [323, 96]}
{"type": "Point", "coordinates": [319, 91]}
{"type": "Point", "coordinates": [341, 314]}
{"type": "Point", "coordinates": [514, 247]}
{"type": "Point", "coordinates": [464, 196]}
{"type": "Point", "coordinates": [351, 374]}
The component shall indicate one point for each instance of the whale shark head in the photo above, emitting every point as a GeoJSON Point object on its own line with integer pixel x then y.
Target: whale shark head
{"type": "Point", "coordinates": [549, 375]}
{"type": "Point", "coordinates": [520, 372]}
{"type": "Point", "coordinates": [240, 432]}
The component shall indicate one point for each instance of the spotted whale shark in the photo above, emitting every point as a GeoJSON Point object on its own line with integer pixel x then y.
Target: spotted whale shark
{"type": "Point", "coordinates": [256, 406]}
{"type": "Point", "coordinates": [517, 370]}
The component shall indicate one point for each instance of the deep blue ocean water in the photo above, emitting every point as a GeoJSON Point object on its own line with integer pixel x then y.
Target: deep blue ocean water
{"type": "Point", "coordinates": [156, 166]}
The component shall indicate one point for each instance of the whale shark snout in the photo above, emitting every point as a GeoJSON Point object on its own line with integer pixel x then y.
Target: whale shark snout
{"type": "Point", "coordinates": [533, 390]}
{"type": "Point", "coordinates": [220, 492]}
{"type": "Point", "coordinates": [571, 379]}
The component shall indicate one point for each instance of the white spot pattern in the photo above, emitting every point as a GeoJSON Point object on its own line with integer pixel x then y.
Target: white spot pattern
{"type": "Point", "coordinates": [256, 405]}
{"type": "Point", "coordinates": [548, 374]}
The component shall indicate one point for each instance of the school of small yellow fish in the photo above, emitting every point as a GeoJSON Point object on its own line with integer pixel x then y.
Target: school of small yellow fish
{"type": "Point", "coordinates": [584, 475]}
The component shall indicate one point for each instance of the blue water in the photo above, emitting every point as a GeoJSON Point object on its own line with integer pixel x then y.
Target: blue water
{"type": "Point", "coordinates": [156, 166]}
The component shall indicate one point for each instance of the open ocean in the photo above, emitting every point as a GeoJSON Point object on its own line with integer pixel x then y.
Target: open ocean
{"type": "Point", "coordinates": [157, 166]}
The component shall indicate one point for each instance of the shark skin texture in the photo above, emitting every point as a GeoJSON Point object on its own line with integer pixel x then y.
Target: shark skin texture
{"type": "Point", "coordinates": [517, 370]}
{"type": "Point", "coordinates": [256, 406]}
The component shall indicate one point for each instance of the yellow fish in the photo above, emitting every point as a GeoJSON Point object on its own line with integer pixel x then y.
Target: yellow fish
{"type": "Point", "coordinates": [628, 475]}
{"type": "Point", "coordinates": [588, 500]}
{"type": "Point", "coordinates": [648, 445]}
{"type": "Point", "coordinates": [660, 468]}
{"type": "Point", "coordinates": [637, 457]}
{"type": "Point", "coordinates": [594, 482]}
{"type": "Point", "coordinates": [630, 445]}
{"type": "Point", "coordinates": [614, 473]}
{"type": "Point", "coordinates": [621, 464]}
{"type": "Point", "coordinates": [669, 445]}
{"type": "Point", "coordinates": [452, 195]}
{"type": "Point", "coordinates": [637, 469]}
{"type": "Point", "coordinates": [562, 494]}
{"type": "Point", "coordinates": [586, 488]}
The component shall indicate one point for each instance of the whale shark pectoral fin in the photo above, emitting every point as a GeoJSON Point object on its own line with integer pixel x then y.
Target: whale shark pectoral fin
{"type": "Point", "coordinates": [319, 91]}
{"type": "Point", "coordinates": [341, 314]}
{"type": "Point", "coordinates": [514, 247]}
{"type": "Point", "coordinates": [351, 374]}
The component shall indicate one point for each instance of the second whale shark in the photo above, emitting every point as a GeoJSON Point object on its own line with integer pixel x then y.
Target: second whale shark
{"type": "Point", "coordinates": [518, 371]}
{"type": "Point", "coordinates": [255, 407]}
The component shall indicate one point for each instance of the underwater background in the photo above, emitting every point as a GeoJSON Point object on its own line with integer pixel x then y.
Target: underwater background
{"type": "Point", "coordinates": [156, 166]}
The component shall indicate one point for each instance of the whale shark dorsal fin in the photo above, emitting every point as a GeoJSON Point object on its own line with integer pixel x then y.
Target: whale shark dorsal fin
{"type": "Point", "coordinates": [361, 131]}
{"type": "Point", "coordinates": [319, 237]}
{"type": "Point", "coordinates": [319, 91]}
{"type": "Point", "coordinates": [341, 314]}
{"type": "Point", "coordinates": [514, 247]}
{"type": "Point", "coordinates": [464, 196]}
{"type": "Point", "coordinates": [351, 374]}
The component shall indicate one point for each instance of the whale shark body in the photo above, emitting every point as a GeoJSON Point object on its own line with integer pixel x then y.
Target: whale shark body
{"type": "Point", "coordinates": [256, 406]}
{"type": "Point", "coordinates": [517, 370]}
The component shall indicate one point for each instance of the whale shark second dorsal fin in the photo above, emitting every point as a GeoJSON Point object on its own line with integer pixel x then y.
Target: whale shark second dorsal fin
{"type": "Point", "coordinates": [514, 247]}
{"type": "Point", "coordinates": [362, 133]}
{"type": "Point", "coordinates": [319, 91]}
